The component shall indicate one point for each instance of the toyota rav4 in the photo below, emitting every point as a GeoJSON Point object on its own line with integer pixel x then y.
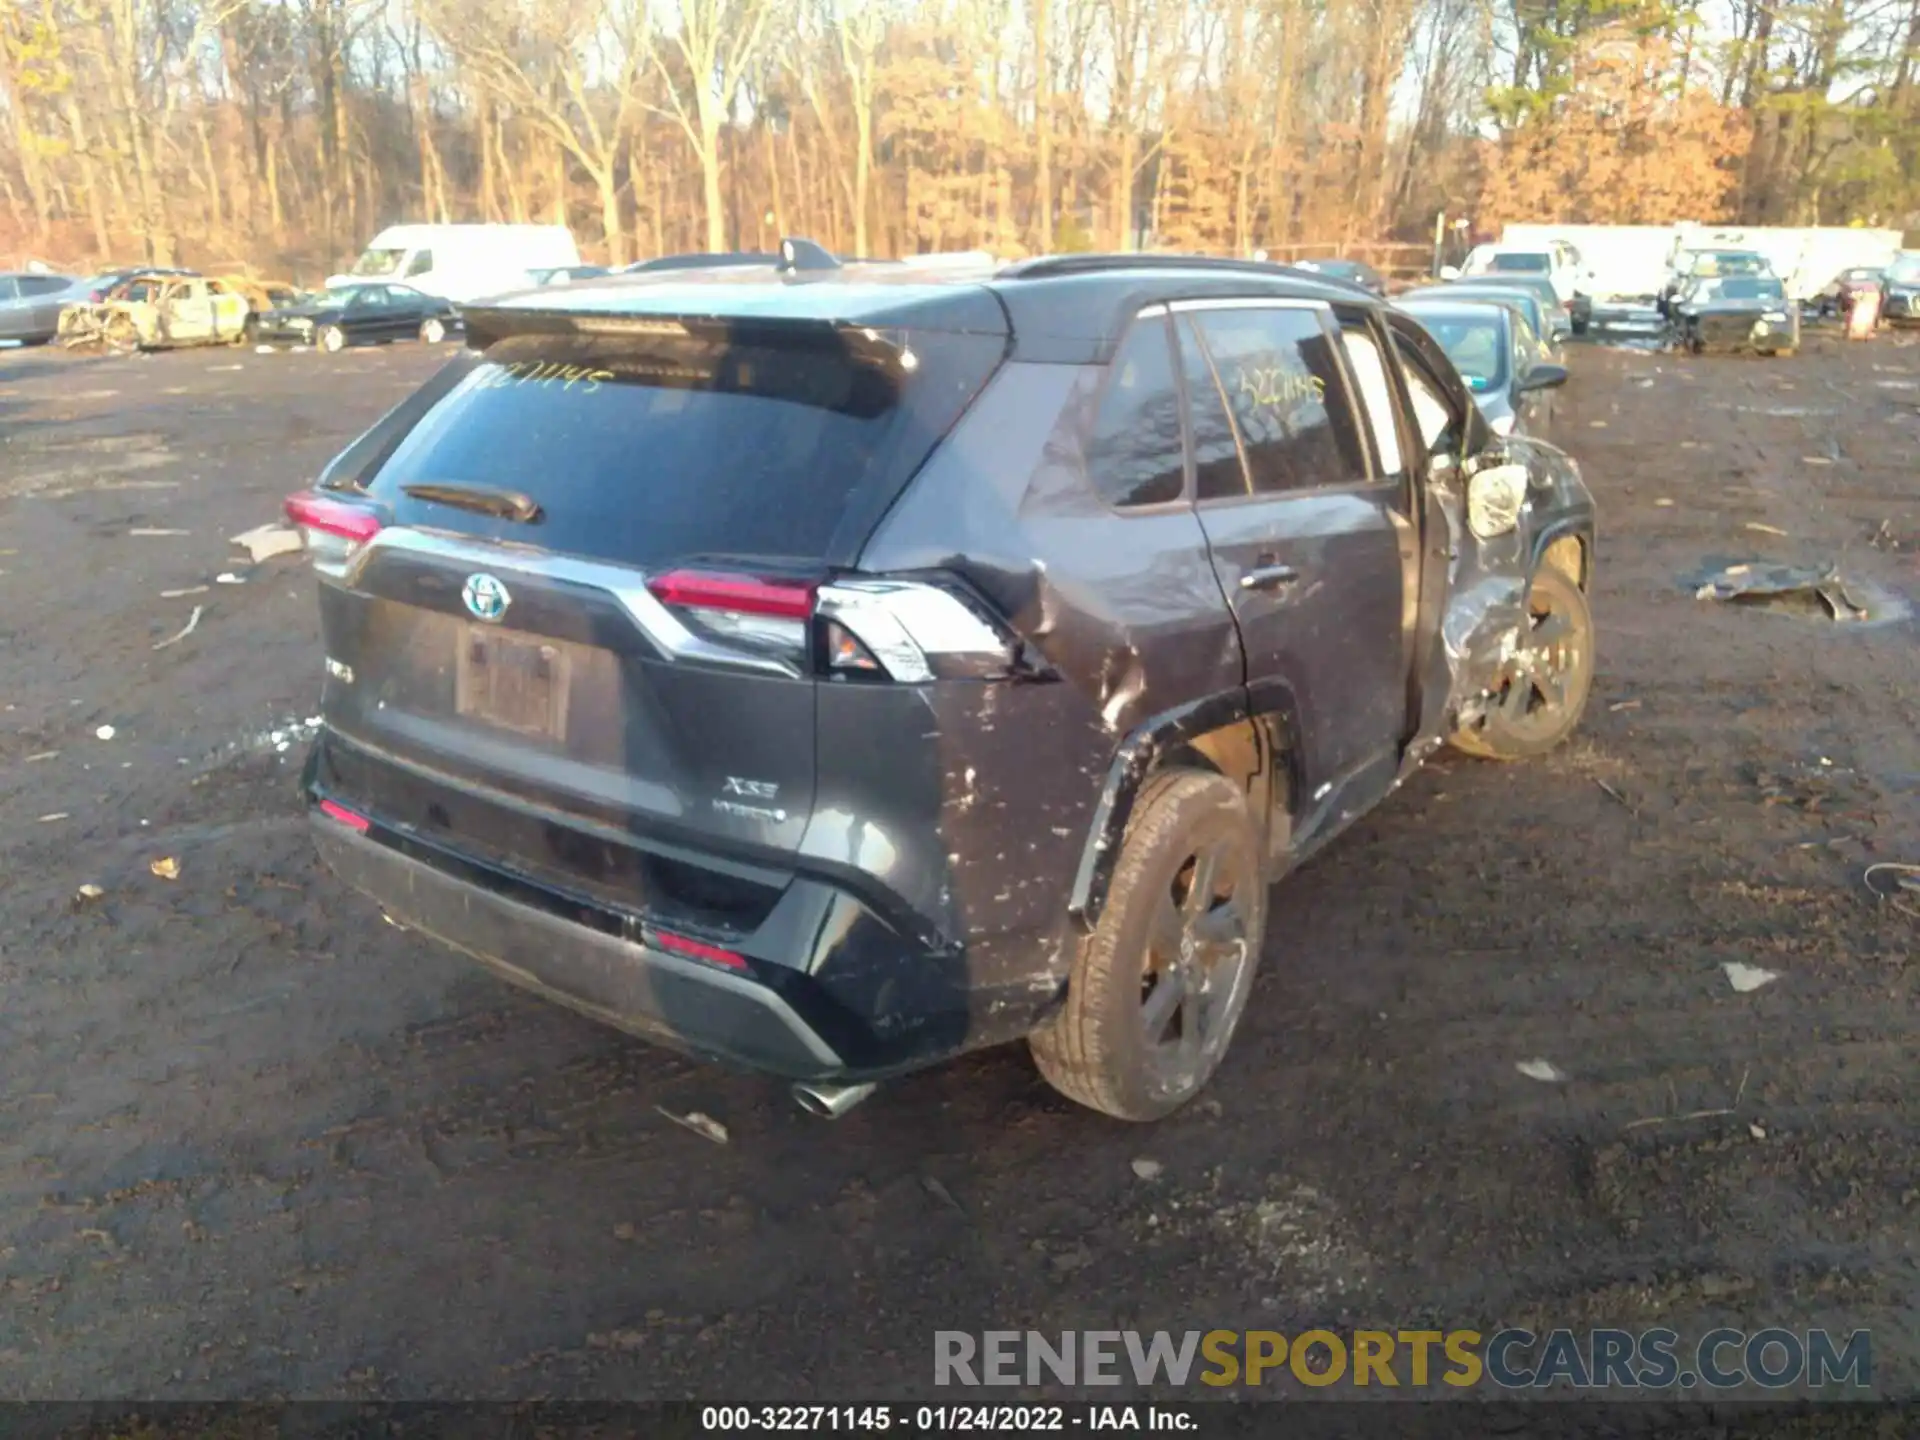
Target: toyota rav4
{"type": "Point", "coordinates": [832, 669]}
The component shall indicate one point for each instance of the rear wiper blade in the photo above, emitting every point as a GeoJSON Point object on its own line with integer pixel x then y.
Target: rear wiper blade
{"type": "Point", "coordinates": [508, 504]}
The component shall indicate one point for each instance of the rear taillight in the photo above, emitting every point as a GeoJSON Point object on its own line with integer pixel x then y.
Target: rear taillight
{"type": "Point", "coordinates": [332, 530]}
{"type": "Point", "coordinates": [697, 950]}
{"type": "Point", "coordinates": [352, 819]}
{"type": "Point", "coordinates": [907, 631]}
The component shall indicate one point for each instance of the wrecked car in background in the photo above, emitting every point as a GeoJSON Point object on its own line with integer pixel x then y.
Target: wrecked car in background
{"type": "Point", "coordinates": [156, 310]}
{"type": "Point", "coordinates": [965, 661]}
{"type": "Point", "coordinates": [1498, 355]}
{"type": "Point", "coordinates": [1736, 312]}
{"type": "Point", "coordinates": [1902, 289]}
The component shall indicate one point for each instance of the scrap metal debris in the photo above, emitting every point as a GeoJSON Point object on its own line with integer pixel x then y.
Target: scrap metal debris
{"type": "Point", "coordinates": [1792, 590]}
{"type": "Point", "coordinates": [700, 1124]}
{"type": "Point", "coordinates": [184, 631]}
{"type": "Point", "coordinates": [1907, 879]}
{"type": "Point", "coordinates": [1747, 978]}
{"type": "Point", "coordinates": [263, 542]}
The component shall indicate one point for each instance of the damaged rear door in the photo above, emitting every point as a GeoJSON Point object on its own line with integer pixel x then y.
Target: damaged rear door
{"type": "Point", "coordinates": [1305, 536]}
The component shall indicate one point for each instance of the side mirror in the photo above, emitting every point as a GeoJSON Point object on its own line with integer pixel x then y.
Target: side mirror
{"type": "Point", "coordinates": [1449, 272]}
{"type": "Point", "coordinates": [1542, 377]}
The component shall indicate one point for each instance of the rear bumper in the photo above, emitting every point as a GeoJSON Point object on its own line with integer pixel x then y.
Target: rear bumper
{"type": "Point", "coordinates": [820, 987]}
{"type": "Point", "coordinates": [682, 1004]}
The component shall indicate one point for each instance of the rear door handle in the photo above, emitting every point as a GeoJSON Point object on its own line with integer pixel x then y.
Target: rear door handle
{"type": "Point", "coordinates": [1268, 577]}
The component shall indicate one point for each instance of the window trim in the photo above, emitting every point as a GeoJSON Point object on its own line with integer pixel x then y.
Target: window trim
{"type": "Point", "coordinates": [1161, 312]}
{"type": "Point", "coordinates": [1330, 331]}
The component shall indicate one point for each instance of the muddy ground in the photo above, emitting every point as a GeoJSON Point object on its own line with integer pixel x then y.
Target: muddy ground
{"type": "Point", "coordinates": [255, 1142]}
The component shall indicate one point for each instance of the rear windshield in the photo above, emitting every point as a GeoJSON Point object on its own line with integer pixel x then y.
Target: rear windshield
{"type": "Point", "coordinates": [1522, 263]}
{"type": "Point", "coordinates": [1754, 287]}
{"type": "Point", "coordinates": [644, 451]}
{"type": "Point", "coordinates": [1905, 271]}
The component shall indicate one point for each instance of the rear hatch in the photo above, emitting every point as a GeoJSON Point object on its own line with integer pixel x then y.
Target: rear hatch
{"type": "Point", "coordinates": [569, 618]}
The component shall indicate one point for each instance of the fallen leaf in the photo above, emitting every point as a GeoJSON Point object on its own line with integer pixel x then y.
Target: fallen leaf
{"type": "Point", "coordinates": [1756, 1132]}
{"type": "Point", "coordinates": [89, 891]}
{"type": "Point", "coordinates": [1597, 424]}
{"type": "Point", "coordinates": [624, 1231]}
{"type": "Point", "coordinates": [1663, 504]}
{"type": "Point", "coordinates": [1745, 977]}
{"type": "Point", "coordinates": [166, 867]}
{"type": "Point", "coordinates": [1815, 460]}
{"type": "Point", "coordinates": [1544, 1070]}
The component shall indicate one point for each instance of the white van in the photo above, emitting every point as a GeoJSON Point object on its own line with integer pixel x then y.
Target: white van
{"type": "Point", "coordinates": [463, 263]}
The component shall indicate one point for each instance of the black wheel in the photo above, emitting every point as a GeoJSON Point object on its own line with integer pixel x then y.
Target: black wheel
{"type": "Point", "coordinates": [1158, 989]}
{"type": "Point", "coordinates": [1538, 699]}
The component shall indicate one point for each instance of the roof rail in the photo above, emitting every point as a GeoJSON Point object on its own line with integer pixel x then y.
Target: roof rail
{"type": "Point", "coordinates": [798, 254]}
{"type": "Point", "coordinates": [1045, 265]}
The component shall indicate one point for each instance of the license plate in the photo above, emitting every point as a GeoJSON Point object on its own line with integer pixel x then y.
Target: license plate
{"type": "Point", "coordinates": [516, 682]}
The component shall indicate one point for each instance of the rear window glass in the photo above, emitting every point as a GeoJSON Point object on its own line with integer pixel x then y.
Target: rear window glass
{"type": "Point", "coordinates": [656, 449]}
{"type": "Point", "coordinates": [1523, 264]}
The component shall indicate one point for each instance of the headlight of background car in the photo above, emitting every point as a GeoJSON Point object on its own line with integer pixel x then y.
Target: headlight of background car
{"type": "Point", "coordinates": [1494, 498]}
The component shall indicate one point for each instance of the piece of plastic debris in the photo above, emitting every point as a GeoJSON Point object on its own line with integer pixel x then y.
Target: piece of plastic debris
{"type": "Point", "coordinates": [1596, 424]}
{"type": "Point", "coordinates": [700, 1124]}
{"type": "Point", "coordinates": [177, 594]}
{"type": "Point", "coordinates": [263, 542]}
{"type": "Point", "coordinates": [151, 534]}
{"type": "Point", "coordinates": [1624, 705]}
{"type": "Point", "coordinates": [105, 732]}
{"type": "Point", "coordinates": [56, 815]}
{"type": "Point", "coordinates": [1147, 1169]}
{"type": "Point", "coordinates": [184, 631]}
{"type": "Point", "coordinates": [1544, 1070]}
{"type": "Point", "coordinates": [1756, 1132]}
{"type": "Point", "coordinates": [1663, 503]}
{"type": "Point", "coordinates": [1745, 977]}
{"type": "Point", "coordinates": [1756, 526]}
{"type": "Point", "coordinates": [43, 755]}
{"type": "Point", "coordinates": [166, 867]}
{"type": "Point", "coordinates": [1815, 460]}
{"type": "Point", "coordinates": [227, 577]}
{"type": "Point", "coordinates": [89, 891]}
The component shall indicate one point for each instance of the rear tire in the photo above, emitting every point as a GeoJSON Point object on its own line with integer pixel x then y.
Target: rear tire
{"type": "Point", "coordinates": [1541, 697]}
{"type": "Point", "coordinates": [1176, 946]}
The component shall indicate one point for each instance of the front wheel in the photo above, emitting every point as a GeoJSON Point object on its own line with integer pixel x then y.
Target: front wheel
{"type": "Point", "coordinates": [433, 330]}
{"type": "Point", "coordinates": [333, 339]}
{"type": "Point", "coordinates": [1158, 988]}
{"type": "Point", "coordinates": [1538, 698]}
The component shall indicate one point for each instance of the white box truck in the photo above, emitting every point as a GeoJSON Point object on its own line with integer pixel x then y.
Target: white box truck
{"type": "Point", "coordinates": [463, 263]}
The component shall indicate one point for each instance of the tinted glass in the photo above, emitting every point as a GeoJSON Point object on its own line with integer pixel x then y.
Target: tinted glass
{"type": "Point", "coordinates": [1522, 264]}
{"type": "Point", "coordinates": [1376, 393]}
{"type": "Point", "coordinates": [43, 284]}
{"type": "Point", "coordinates": [1218, 472]}
{"type": "Point", "coordinates": [655, 449]}
{"type": "Point", "coordinates": [421, 263]}
{"type": "Point", "coordinates": [9, 288]}
{"type": "Point", "coordinates": [1747, 287]}
{"type": "Point", "coordinates": [1278, 372]}
{"type": "Point", "coordinates": [1476, 345]}
{"type": "Point", "coordinates": [1431, 413]}
{"type": "Point", "coordinates": [378, 262]}
{"type": "Point", "coordinates": [1134, 456]}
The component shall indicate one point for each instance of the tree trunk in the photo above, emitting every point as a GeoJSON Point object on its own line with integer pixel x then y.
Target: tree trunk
{"type": "Point", "coordinates": [609, 187]}
{"type": "Point", "coordinates": [1043, 125]}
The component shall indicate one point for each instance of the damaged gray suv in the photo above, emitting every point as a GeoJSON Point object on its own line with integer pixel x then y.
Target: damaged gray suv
{"type": "Point", "coordinates": [833, 669]}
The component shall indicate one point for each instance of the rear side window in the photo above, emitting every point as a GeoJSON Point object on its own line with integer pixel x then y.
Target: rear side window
{"type": "Point", "coordinates": [1376, 393]}
{"type": "Point", "coordinates": [31, 285]}
{"type": "Point", "coordinates": [653, 449]}
{"type": "Point", "coordinates": [1277, 370]}
{"type": "Point", "coordinates": [421, 263]}
{"type": "Point", "coordinates": [1134, 456]}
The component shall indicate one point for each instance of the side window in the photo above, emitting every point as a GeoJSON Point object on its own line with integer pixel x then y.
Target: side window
{"type": "Point", "coordinates": [1432, 416]}
{"type": "Point", "coordinates": [421, 263]}
{"type": "Point", "coordinates": [1218, 471]}
{"type": "Point", "coordinates": [32, 285]}
{"type": "Point", "coordinates": [1277, 369]}
{"type": "Point", "coordinates": [9, 288]}
{"type": "Point", "coordinates": [1376, 393]}
{"type": "Point", "coordinates": [1134, 455]}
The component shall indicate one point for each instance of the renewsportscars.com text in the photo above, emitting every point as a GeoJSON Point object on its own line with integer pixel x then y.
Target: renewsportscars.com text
{"type": "Point", "coordinates": [1601, 1359]}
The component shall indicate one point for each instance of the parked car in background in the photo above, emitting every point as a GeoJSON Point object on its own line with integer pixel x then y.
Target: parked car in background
{"type": "Point", "coordinates": [1557, 323]}
{"type": "Point", "coordinates": [462, 262]}
{"type": "Point", "coordinates": [31, 302]}
{"type": "Point", "coordinates": [1690, 265]}
{"type": "Point", "coordinates": [158, 310]}
{"type": "Point", "coordinates": [1738, 312]}
{"type": "Point", "coordinates": [1354, 272]}
{"type": "Point", "coordinates": [699, 261]}
{"type": "Point", "coordinates": [1499, 357]}
{"type": "Point", "coordinates": [1902, 283]}
{"type": "Point", "coordinates": [567, 274]}
{"type": "Point", "coordinates": [1548, 325]}
{"type": "Point", "coordinates": [344, 315]}
{"type": "Point", "coordinates": [962, 665]}
{"type": "Point", "coordinates": [1558, 261]}
{"type": "Point", "coordinates": [1837, 296]}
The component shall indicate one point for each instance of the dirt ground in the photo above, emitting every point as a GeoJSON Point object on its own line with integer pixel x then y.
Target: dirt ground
{"type": "Point", "coordinates": [254, 1142]}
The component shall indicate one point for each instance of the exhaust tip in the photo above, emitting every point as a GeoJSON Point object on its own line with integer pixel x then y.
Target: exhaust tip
{"type": "Point", "coordinates": [830, 1102]}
